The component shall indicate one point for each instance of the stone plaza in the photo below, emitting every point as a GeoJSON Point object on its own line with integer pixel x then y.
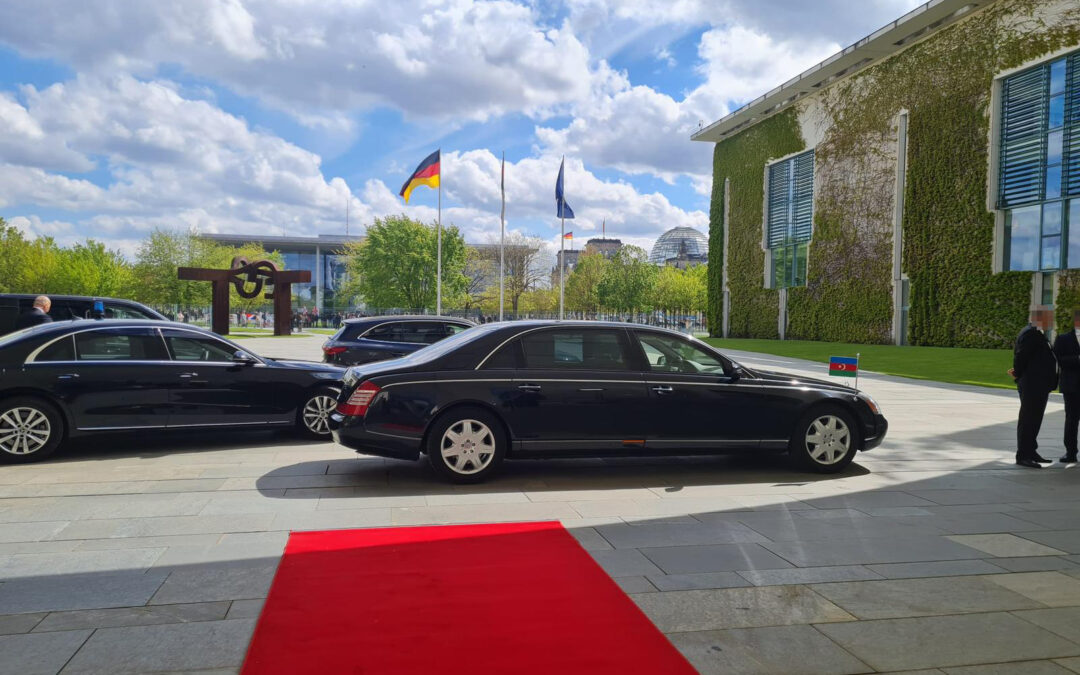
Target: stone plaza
{"type": "Point", "coordinates": [932, 553]}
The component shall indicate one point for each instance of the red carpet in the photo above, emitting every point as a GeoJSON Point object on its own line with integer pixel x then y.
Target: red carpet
{"type": "Point", "coordinates": [517, 598]}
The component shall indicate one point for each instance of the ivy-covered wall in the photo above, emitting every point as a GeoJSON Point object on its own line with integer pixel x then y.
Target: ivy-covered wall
{"type": "Point", "coordinates": [944, 82]}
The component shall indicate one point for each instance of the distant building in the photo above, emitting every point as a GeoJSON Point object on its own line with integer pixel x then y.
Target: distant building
{"type": "Point", "coordinates": [604, 246]}
{"type": "Point", "coordinates": [680, 247]}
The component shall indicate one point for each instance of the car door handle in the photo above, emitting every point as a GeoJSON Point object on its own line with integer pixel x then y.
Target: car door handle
{"type": "Point", "coordinates": [67, 376]}
{"type": "Point", "coordinates": [188, 376]}
{"type": "Point", "coordinates": [529, 387]}
{"type": "Point", "coordinates": [591, 389]}
{"type": "Point", "coordinates": [662, 389]}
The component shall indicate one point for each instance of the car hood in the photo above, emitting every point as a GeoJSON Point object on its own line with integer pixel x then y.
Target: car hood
{"type": "Point", "coordinates": [773, 377]}
{"type": "Point", "coordinates": [309, 365]}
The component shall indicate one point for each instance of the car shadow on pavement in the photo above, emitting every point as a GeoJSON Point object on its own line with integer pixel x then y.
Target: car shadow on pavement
{"type": "Point", "coordinates": [158, 444]}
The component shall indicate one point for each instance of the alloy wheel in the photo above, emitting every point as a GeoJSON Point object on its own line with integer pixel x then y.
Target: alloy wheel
{"type": "Point", "coordinates": [828, 439]}
{"type": "Point", "coordinates": [24, 430]}
{"type": "Point", "coordinates": [467, 447]}
{"type": "Point", "coordinates": [317, 413]}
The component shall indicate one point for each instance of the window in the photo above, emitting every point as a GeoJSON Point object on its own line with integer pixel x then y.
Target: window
{"type": "Point", "coordinates": [668, 354]}
{"type": "Point", "coordinates": [575, 350]}
{"type": "Point", "coordinates": [454, 329]}
{"type": "Point", "coordinates": [506, 357]}
{"type": "Point", "coordinates": [423, 332]}
{"type": "Point", "coordinates": [108, 345]}
{"type": "Point", "coordinates": [387, 332]}
{"type": "Point", "coordinates": [1039, 165]}
{"type": "Point", "coordinates": [191, 347]}
{"type": "Point", "coordinates": [113, 311]}
{"type": "Point", "coordinates": [61, 350]}
{"type": "Point", "coordinates": [789, 219]}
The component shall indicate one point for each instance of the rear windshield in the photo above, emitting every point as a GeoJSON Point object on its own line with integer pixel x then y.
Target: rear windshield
{"type": "Point", "coordinates": [447, 345]}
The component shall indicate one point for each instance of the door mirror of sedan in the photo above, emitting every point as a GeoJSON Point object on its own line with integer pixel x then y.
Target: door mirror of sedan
{"type": "Point", "coordinates": [243, 358]}
{"type": "Point", "coordinates": [735, 373]}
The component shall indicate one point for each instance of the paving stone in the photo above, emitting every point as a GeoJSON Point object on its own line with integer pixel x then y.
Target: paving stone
{"type": "Point", "coordinates": [1064, 621]}
{"type": "Point", "coordinates": [1065, 540]}
{"type": "Point", "coordinates": [38, 653]}
{"type": "Point", "coordinates": [942, 641]}
{"type": "Point", "coordinates": [793, 650]}
{"type": "Point", "coordinates": [1021, 668]}
{"type": "Point", "coordinates": [1006, 545]}
{"type": "Point", "coordinates": [893, 598]}
{"type": "Point", "coordinates": [686, 582]}
{"type": "Point", "coordinates": [980, 523]}
{"type": "Point", "coordinates": [719, 558]}
{"type": "Point", "coordinates": [677, 534]}
{"type": "Point", "coordinates": [215, 582]}
{"type": "Point", "coordinates": [133, 616]}
{"type": "Point", "coordinates": [245, 609]}
{"type": "Point", "coordinates": [635, 585]}
{"type": "Point", "coordinates": [871, 551]}
{"type": "Point", "coordinates": [1045, 563]}
{"type": "Point", "coordinates": [18, 532]}
{"type": "Point", "coordinates": [589, 538]}
{"type": "Point", "coordinates": [170, 525]}
{"type": "Point", "coordinates": [1053, 589]}
{"type": "Point", "coordinates": [808, 575]}
{"type": "Point", "coordinates": [625, 563]}
{"type": "Point", "coordinates": [803, 528]}
{"type": "Point", "coordinates": [679, 611]}
{"type": "Point", "coordinates": [80, 591]}
{"type": "Point", "coordinates": [76, 562]}
{"type": "Point", "coordinates": [944, 568]}
{"type": "Point", "coordinates": [869, 500]}
{"type": "Point", "coordinates": [13, 624]}
{"type": "Point", "coordinates": [176, 647]}
{"type": "Point", "coordinates": [1072, 664]}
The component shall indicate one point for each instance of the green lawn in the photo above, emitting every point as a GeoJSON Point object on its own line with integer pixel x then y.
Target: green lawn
{"type": "Point", "coordinates": [984, 367]}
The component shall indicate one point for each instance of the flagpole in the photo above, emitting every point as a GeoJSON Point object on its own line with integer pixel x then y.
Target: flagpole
{"type": "Point", "coordinates": [502, 235]}
{"type": "Point", "coordinates": [562, 264]}
{"type": "Point", "coordinates": [438, 262]}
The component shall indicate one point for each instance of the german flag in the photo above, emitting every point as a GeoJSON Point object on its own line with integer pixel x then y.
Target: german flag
{"type": "Point", "coordinates": [426, 174]}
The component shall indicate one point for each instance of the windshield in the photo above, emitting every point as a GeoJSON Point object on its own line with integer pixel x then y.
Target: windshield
{"type": "Point", "coordinates": [449, 344]}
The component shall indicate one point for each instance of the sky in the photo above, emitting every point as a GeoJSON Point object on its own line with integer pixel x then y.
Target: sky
{"type": "Point", "coordinates": [282, 116]}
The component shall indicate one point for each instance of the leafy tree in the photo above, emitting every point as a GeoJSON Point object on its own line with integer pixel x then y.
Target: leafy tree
{"type": "Point", "coordinates": [481, 279]}
{"type": "Point", "coordinates": [583, 283]}
{"type": "Point", "coordinates": [528, 263]}
{"type": "Point", "coordinates": [681, 290]}
{"type": "Point", "coordinates": [91, 269]}
{"type": "Point", "coordinates": [627, 283]}
{"type": "Point", "coordinates": [395, 265]}
{"type": "Point", "coordinates": [13, 248]}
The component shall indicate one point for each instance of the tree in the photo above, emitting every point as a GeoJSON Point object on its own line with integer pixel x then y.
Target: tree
{"type": "Point", "coordinates": [583, 283]}
{"type": "Point", "coordinates": [13, 250]}
{"type": "Point", "coordinates": [683, 290]}
{"type": "Point", "coordinates": [527, 261]}
{"type": "Point", "coordinates": [480, 272]}
{"type": "Point", "coordinates": [395, 265]}
{"type": "Point", "coordinates": [91, 269]}
{"type": "Point", "coordinates": [627, 284]}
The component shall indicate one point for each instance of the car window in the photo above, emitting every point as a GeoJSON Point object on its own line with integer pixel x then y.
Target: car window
{"type": "Point", "coordinates": [119, 345]}
{"type": "Point", "coordinates": [113, 311]}
{"type": "Point", "coordinates": [192, 347]}
{"type": "Point", "coordinates": [423, 332]}
{"type": "Point", "coordinates": [63, 310]}
{"type": "Point", "coordinates": [669, 354]}
{"type": "Point", "coordinates": [61, 350]}
{"type": "Point", "coordinates": [575, 350]}
{"type": "Point", "coordinates": [386, 331]}
{"type": "Point", "coordinates": [505, 357]}
{"type": "Point", "coordinates": [454, 328]}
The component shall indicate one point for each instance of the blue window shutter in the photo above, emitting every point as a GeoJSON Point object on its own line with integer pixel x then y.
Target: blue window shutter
{"type": "Point", "coordinates": [1023, 130]}
{"type": "Point", "coordinates": [804, 197]}
{"type": "Point", "coordinates": [777, 220]}
{"type": "Point", "coordinates": [1070, 180]}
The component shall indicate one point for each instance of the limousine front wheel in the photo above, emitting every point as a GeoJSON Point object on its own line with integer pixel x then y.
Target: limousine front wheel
{"type": "Point", "coordinates": [313, 420]}
{"type": "Point", "coordinates": [466, 445]}
{"type": "Point", "coordinates": [30, 429]}
{"type": "Point", "coordinates": [824, 441]}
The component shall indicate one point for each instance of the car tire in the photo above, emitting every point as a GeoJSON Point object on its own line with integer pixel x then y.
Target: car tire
{"type": "Point", "coordinates": [824, 440]}
{"type": "Point", "coordinates": [466, 445]}
{"type": "Point", "coordinates": [31, 429]}
{"type": "Point", "coordinates": [313, 416]}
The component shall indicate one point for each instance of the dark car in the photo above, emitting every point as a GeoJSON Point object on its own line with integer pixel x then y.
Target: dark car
{"type": "Point", "coordinates": [379, 338]}
{"type": "Point", "coordinates": [62, 380]}
{"type": "Point", "coordinates": [69, 307]}
{"type": "Point", "coordinates": [568, 389]}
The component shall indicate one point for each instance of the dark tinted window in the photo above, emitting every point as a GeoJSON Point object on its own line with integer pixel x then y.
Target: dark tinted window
{"type": "Point", "coordinates": [114, 311]}
{"type": "Point", "coordinates": [454, 329]}
{"type": "Point", "coordinates": [575, 350]}
{"type": "Point", "coordinates": [424, 332]}
{"type": "Point", "coordinates": [191, 347]}
{"type": "Point", "coordinates": [66, 310]}
{"type": "Point", "coordinates": [506, 357]}
{"type": "Point", "coordinates": [61, 350]}
{"type": "Point", "coordinates": [119, 345]}
{"type": "Point", "coordinates": [386, 331]}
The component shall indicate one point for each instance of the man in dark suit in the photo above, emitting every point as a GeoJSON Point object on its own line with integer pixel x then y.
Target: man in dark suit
{"type": "Point", "coordinates": [1067, 351]}
{"type": "Point", "coordinates": [37, 314]}
{"type": "Point", "coordinates": [1035, 371]}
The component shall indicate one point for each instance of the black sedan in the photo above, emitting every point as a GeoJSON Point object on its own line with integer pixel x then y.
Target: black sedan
{"type": "Point", "coordinates": [378, 338]}
{"type": "Point", "coordinates": [569, 389]}
{"type": "Point", "coordinates": [63, 380]}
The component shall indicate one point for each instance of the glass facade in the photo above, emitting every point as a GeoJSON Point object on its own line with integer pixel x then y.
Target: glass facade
{"type": "Point", "coordinates": [679, 240]}
{"type": "Point", "coordinates": [1039, 173]}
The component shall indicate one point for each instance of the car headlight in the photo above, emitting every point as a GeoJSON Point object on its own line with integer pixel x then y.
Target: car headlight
{"type": "Point", "coordinates": [870, 402]}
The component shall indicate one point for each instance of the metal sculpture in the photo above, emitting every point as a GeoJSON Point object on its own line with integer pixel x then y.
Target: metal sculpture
{"type": "Point", "coordinates": [249, 279]}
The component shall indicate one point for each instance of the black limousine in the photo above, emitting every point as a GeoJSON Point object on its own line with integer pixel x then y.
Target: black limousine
{"type": "Point", "coordinates": [61, 380]}
{"type": "Point", "coordinates": [532, 389]}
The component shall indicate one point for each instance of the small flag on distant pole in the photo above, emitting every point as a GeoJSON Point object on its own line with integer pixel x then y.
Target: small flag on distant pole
{"type": "Point", "coordinates": [568, 235]}
{"type": "Point", "coordinates": [844, 366]}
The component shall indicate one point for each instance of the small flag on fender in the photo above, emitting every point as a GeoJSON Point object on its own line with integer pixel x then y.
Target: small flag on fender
{"type": "Point", "coordinates": [844, 366]}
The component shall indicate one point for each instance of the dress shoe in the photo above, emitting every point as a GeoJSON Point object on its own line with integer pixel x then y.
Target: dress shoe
{"type": "Point", "coordinates": [1030, 463]}
{"type": "Point", "coordinates": [1068, 459]}
{"type": "Point", "coordinates": [1042, 460]}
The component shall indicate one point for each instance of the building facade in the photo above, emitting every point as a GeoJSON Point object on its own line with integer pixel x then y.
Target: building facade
{"type": "Point", "coordinates": [922, 186]}
{"type": "Point", "coordinates": [680, 247]}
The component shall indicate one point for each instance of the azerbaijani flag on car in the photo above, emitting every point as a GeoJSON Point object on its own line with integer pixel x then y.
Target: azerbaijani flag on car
{"type": "Point", "coordinates": [844, 366]}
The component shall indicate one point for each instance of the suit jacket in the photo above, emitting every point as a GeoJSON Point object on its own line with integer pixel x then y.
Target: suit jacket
{"type": "Point", "coordinates": [32, 317]}
{"type": "Point", "coordinates": [1067, 351]}
{"type": "Point", "coordinates": [1034, 366]}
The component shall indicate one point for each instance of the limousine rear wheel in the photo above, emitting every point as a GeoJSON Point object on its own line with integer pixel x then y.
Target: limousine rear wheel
{"type": "Point", "coordinates": [313, 420]}
{"type": "Point", "coordinates": [466, 445]}
{"type": "Point", "coordinates": [30, 429]}
{"type": "Point", "coordinates": [824, 440]}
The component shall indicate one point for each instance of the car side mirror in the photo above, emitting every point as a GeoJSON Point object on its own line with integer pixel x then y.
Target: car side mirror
{"type": "Point", "coordinates": [735, 373]}
{"type": "Point", "coordinates": [243, 358]}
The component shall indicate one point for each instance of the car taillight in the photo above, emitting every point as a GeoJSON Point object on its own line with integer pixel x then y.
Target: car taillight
{"type": "Point", "coordinates": [330, 351]}
{"type": "Point", "coordinates": [357, 404]}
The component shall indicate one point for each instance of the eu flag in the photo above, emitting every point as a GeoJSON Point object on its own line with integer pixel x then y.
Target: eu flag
{"type": "Point", "coordinates": [562, 209]}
